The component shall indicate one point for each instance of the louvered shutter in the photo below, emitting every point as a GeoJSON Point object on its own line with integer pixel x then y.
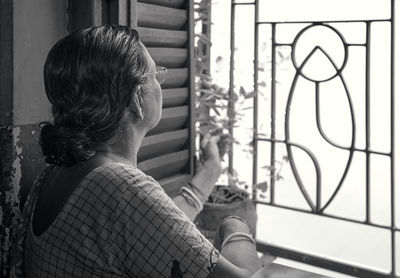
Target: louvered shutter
{"type": "Point", "coordinates": [166, 28]}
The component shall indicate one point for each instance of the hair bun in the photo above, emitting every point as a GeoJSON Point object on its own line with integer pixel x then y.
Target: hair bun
{"type": "Point", "coordinates": [65, 146]}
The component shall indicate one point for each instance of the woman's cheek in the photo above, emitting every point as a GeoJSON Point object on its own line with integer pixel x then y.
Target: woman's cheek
{"type": "Point", "coordinates": [155, 109]}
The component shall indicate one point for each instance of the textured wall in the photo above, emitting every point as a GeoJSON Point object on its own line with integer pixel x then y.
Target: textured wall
{"type": "Point", "coordinates": [37, 26]}
{"type": "Point", "coordinates": [8, 203]}
{"type": "Point", "coordinates": [28, 30]}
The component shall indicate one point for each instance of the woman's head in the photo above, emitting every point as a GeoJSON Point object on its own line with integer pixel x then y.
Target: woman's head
{"type": "Point", "coordinates": [96, 80]}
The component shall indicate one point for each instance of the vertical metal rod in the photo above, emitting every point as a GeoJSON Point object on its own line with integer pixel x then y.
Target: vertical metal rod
{"type": "Point", "coordinates": [206, 31]}
{"type": "Point", "coordinates": [392, 137]}
{"type": "Point", "coordinates": [255, 100]}
{"type": "Point", "coordinates": [205, 52]}
{"type": "Point", "coordinates": [367, 122]}
{"type": "Point", "coordinates": [273, 101]}
{"type": "Point", "coordinates": [318, 193]}
{"type": "Point", "coordinates": [191, 83]}
{"type": "Point", "coordinates": [231, 104]}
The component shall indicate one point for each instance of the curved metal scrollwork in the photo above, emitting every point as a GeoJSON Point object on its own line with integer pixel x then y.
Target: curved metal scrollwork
{"type": "Point", "coordinates": [318, 207]}
{"type": "Point", "coordinates": [306, 48]}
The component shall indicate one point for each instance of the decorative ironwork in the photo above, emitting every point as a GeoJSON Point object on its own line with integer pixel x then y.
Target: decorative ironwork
{"type": "Point", "coordinates": [299, 71]}
{"type": "Point", "coordinates": [318, 207]}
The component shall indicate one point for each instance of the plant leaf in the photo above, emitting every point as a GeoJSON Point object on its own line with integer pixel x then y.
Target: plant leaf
{"type": "Point", "coordinates": [242, 91]}
{"type": "Point", "coordinates": [263, 186]}
{"type": "Point", "coordinates": [251, 94]}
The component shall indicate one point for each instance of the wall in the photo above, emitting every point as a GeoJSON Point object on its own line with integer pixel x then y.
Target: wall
{"type": "Point", "coordinates": [28, 30]}
{"type": "Point", "coordinates": [37, 26]}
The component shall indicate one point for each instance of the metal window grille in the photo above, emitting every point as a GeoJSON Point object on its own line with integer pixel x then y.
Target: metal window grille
{"type": "Point", "coordinates": [317, 206]}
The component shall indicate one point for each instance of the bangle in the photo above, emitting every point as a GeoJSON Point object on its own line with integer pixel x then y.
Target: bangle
{"type": "Point", "coordinates": [235, 217]}
{"type": "Point", "coordinates": [200, 193]}
{"type": "Point", "coordinates": [190, 200]}
{"type": "Point", "coordinates": [195, 200]}
{"type": "Point", "coordinates": [237, 234]}
{"type": "Point", "coordinates": [223, 220]}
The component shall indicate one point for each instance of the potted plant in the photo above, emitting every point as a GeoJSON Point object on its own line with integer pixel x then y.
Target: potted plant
{"type": "Point", "coordinates": [212, 101]}
{"type": "Point", "coordinates": [230, 196]}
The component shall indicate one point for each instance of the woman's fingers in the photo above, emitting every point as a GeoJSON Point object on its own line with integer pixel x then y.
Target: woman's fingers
{"type": "Point", "coordinates": [216, 131]}
{"type": "Point", "coordinates": [206, 139]}
{"type": "Point", "coordinates": [223, 144]}
{"type": "Point", "coordinates": [214, 140]}
{"type": "Point", "coordinates": [211, 150]}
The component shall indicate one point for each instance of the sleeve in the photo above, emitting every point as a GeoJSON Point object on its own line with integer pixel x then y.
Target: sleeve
{"type": "Point", "coordinates": [155, 238]}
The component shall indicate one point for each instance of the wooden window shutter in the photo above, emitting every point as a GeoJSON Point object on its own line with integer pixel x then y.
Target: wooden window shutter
{"type": "Point", "coordinates": [166, 27]}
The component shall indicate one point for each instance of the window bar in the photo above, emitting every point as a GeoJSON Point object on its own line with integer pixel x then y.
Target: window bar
{"type": "Point", "coordinates": [231, 104]}
{"type": "Point", "coordinates": [318, 191]}
{"type": "Point", "coordinates": [367, 121]}
{"type": "Point", "coordinates": [357, 44]}
{"type": "Point", "coordinates": [191, 83]}
{"type": "Point", "coordinates": [324, 21]}
{"type": "Point", "coordinates": [392, 137]}
{"type": "Point", "coordinates": [273, 102]}
{"type": "Point", "coordinates": [255, 100]}
{"type": "Point", "coordinates": [245, 3]}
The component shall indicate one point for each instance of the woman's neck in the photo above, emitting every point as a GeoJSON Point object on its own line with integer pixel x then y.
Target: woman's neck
{"type": "Point", "coordinates": [127, 145]}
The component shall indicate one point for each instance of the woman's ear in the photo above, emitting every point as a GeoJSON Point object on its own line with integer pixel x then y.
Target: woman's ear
{"type": "Point", "coordinates": [136, 104]}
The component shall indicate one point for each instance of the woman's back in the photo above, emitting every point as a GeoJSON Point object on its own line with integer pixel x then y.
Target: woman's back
{"type": "Point", "coordinates": [56, 186]}
{"type": "Point", "coordinates": [117, 222]}
{"type": "Point", "coordinates": [75, 242]}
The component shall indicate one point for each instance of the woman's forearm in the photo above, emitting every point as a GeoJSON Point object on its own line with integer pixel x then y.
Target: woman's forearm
{"type": "Point", "coordinates": [204, 180]}
{"type": "Point", "coordinates": [186, 207]}
{"type": "Point", "coordinates": [207, 176]}
{"type": "Point", "coordinates": [243, 254]}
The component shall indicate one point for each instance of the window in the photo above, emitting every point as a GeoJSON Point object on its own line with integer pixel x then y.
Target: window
{"type": "Point", "coordinates": [323, 124]}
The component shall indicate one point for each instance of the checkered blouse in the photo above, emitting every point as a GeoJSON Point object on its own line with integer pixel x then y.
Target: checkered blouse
{"type": "Point", "coordinates": [117, 223]}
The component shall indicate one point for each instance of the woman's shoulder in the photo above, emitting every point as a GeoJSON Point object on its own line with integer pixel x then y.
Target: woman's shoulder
{"type": "Point", "coordinates": [121, 177]}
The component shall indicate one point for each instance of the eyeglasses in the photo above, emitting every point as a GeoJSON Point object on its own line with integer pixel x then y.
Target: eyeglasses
{"type": "Point", "coordinates": [160, 74]}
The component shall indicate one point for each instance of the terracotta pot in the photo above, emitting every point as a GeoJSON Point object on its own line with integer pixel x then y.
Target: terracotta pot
{"type": "Point", "coordinates": [209, 218]}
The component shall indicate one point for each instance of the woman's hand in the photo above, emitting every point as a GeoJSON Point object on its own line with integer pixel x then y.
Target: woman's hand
{"type": "Point", "coordinates": [214, 146]}
{"type": "Point", "coordinates": [209, 146]}
{"type": "Point", "coordinates": [228, 226]}
{"type": "Point", "coordinates": [238, 258]}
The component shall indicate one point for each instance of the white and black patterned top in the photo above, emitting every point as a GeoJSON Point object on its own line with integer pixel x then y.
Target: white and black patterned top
{"type": "Point", "coordinates": [118, 222]}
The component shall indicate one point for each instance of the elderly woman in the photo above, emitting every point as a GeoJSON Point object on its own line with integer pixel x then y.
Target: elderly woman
{"type": "Point", "coordinates": [92, 213]}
